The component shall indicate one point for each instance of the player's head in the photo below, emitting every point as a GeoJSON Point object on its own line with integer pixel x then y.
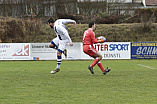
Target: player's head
{"type": "Point", "coordinates": [92, 25]}
{"type": "Point", "coordinates": [51, 22]}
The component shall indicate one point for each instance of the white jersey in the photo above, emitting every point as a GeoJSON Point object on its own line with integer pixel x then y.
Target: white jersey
{"type": "Point", "coordinates": [61, 31]}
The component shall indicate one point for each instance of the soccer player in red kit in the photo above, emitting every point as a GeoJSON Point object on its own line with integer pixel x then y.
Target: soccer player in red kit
{"type": "Point", "coordinates": [88, 41]}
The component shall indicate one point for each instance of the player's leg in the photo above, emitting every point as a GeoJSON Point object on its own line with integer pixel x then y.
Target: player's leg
{"type": "Point", "coordinates": [60, 50]}
{"type": "Point", "coordinates": [101, 66]}
{"type": "Point", "coordinates": [59, 60]}
{"type": "Point", "coordinates": [54, 43]}
{"type": "Point", "coordinates": [89, 50]}
{"type": "Point", "coordinates": [97, 57]}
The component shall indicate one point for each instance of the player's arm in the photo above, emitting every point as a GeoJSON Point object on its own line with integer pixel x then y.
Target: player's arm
{"type": "Point", "coordinates": [65, 21]}
{"type": "Point", "coordinates": [93, 38]}
{"type": "Point", "coordinates": [70, 41]}
{"type": "Point", "coordinates": [68, 37]}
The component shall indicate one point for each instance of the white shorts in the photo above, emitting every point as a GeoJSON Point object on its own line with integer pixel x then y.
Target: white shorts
{"type": "Point", "coordinates": [61, 44]}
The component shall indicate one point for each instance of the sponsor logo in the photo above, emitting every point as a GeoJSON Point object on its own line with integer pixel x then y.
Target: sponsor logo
{"type": "Point", "coordinates": [146, 51]}
{"type": "Point", "coordinates": [24, 51]}
{"type": "Point", "coordinates": [112, 47]}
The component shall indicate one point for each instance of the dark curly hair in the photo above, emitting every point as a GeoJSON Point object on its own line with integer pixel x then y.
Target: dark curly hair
{"type": "Point", "coordinates": [91, 24]}
{"type": "Point", "coordinates": [51, 20]}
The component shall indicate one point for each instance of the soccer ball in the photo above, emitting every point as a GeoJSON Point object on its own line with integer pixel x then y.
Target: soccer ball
{"type": "Point", "coordinates": [100, 38]}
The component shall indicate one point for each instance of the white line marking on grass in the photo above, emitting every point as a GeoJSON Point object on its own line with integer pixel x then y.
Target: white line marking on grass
{"type": "Point", "coordinates": [146, 66]}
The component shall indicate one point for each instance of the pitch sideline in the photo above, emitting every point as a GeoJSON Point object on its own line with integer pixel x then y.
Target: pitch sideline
{"type": "Point", "coordinates": [146, 66]}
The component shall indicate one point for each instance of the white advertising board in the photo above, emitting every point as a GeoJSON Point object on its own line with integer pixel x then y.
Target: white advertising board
{"type": "Point", "coordinates": [112, 50]}
{"type": "Point", "coordinates": [14, 51]}
{"type": "Point", "coordinates": [41, 51]}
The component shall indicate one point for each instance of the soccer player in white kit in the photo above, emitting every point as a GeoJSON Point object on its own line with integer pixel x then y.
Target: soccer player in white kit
{"type": "Point", "coordinates": [61, 40]}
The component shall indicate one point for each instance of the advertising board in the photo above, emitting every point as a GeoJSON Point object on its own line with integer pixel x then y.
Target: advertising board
{"type": "Point", "coordinates": [144, 50]}
{"type": "Point", "coordinates": [112, 50]}
{"type": "Point", "coordinates": [41, 51]}
{"type": "Point", "coordinates": [14, 51]}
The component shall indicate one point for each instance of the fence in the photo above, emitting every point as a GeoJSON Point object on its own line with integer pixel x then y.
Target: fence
{"type": "Point", "coordinates": [44, 8]}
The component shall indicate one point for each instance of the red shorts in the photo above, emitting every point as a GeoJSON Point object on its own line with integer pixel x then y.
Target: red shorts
{"type": "Point", "coordinates": [90, 50]}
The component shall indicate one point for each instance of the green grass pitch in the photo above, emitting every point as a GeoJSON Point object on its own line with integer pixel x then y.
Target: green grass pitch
{"type": "Point", "coordinates": [30, 82]}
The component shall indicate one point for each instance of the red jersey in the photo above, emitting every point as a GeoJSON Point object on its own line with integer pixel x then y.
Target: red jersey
{"type": "Point", "coordinates": [89, 37]}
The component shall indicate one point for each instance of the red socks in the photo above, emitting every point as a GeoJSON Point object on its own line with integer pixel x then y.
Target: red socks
{"type": "Point", "coordinates": [100, 66]}
{"type": "Point", "coordinates": [97, 61]}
